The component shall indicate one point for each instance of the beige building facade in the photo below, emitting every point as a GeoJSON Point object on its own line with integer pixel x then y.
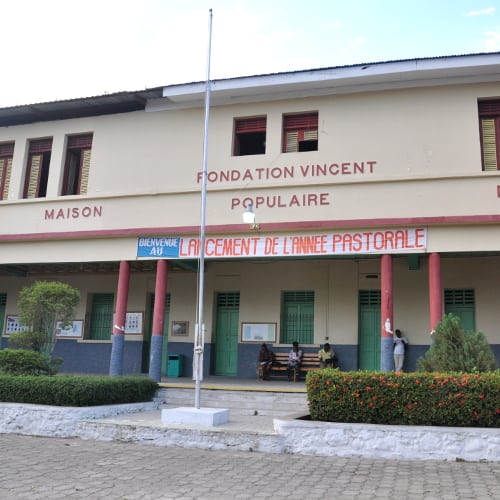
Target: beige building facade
{"type": "Point", "coordinates": [376, 193]}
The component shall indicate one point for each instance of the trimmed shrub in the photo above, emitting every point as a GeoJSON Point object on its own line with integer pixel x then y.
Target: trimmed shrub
{"type": "Point", "coordinates": [69, 390]}
{"type": "Point", "coordinates": [455, 350]}
{"type": "Point", "coordinates": [32, 341]}
{"type": "Point", "coordinates": [443, 399]}
{"type": "Point", "coordinates": [24, 362]}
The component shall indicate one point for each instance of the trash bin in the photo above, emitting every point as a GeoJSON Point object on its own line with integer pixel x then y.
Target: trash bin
{"type": "Point", "coordinates": [174, 365]}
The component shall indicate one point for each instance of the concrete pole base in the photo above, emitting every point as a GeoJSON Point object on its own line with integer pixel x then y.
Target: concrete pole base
{"type": "Point", "coordinates": [195, 416]}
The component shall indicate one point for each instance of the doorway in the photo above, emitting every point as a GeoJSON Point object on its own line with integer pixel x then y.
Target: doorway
{"type": "Point", "coordinates": [369, 330]}
{"type": "Point", "coordinates": [227, 333]}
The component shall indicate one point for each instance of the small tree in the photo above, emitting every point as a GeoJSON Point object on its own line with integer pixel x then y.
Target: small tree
{"type": "Point", "coordinates": [456, 350]}
{"type": "Point", "coordinates": [41, 306]}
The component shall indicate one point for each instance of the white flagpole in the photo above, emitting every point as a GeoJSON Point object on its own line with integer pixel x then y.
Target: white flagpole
{"type": "Point", "coordinates": [199, 342]}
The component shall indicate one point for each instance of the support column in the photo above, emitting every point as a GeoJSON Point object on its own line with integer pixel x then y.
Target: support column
{"type": "Point", "coordinates": [435, 291]}
{"type": "Point", "coordinates": [386, 318]}
{"type": "Point", "coordinates": [116, 362]}
{"type": "Point", "coordinates": [158, 320]}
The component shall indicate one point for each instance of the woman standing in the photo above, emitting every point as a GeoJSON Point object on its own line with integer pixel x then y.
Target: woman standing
{"type": "Point", "coordinates": [400, 344]}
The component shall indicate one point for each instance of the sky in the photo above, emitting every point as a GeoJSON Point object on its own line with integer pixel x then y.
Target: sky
{"type": "Point", "coordinates": [64, 49]}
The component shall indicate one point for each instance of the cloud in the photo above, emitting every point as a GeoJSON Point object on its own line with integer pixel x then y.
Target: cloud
{"type": "Point", "coordinates": [492, 42]}
{"type": "Point", "coordinates": [482, 12]}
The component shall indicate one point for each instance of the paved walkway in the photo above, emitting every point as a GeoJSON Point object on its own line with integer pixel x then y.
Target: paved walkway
{"type": "Point", "coordinates": [51, 468]}
{"type": "Point", "coordinates": [37, 468]}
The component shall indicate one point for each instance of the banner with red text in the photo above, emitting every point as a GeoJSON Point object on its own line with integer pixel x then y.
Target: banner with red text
{"type": "Point", "coordinates": [378, 241]}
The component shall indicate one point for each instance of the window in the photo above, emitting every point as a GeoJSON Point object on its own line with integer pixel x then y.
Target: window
{"type": "Point", "coordinates": [461, 303]}
{"type": "Point", "coordinates": [6, 154]}
{"type": "Point", "coordinates": [300, 132]}
{"type": "Point", "coordinates": [250, 136]}
{"type": "Point", "coordinates": [489, 128]}
{"type": "Point", "coordinates": [76, 168]}
{"type": "Point", "coordinates": [297, 323]}
{"type": "Point", "coordinates": [37, 172]}
{"type": "Point", "coordinates": [100, 318]}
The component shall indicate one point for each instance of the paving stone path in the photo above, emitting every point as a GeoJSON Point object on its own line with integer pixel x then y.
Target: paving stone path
{"type": "Point", "coordinates": [53, 468]}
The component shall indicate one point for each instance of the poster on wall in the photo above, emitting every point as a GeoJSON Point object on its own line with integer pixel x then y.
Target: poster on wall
{"type": "Point", "coordinates": [180, 328]}
{"type": "Point", "coordinates": [258, 332]}
{"type": "Point", "coordinates": [73, 330]}
{"type": "Point", "coordinates": [133, 323]}
{"type": "Point", "coordinates": [12, 325]}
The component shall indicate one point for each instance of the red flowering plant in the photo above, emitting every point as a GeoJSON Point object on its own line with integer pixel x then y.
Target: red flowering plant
{"type": "Point", "coordinates": [446, 399]}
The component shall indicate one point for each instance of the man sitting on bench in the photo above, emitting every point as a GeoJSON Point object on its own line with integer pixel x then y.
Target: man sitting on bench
{"type": "Point", "coordinates": [294, 360]}
{"type": "Point", "coordinates": [265, 361]}
{"type": "Point", "coordinates": [326, 357]}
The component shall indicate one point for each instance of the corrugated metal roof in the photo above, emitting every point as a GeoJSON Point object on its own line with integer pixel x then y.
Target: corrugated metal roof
{"type": "Point", "coordinates": [298, 80]}
{"type": "Point", "coordinates": [119, 102]}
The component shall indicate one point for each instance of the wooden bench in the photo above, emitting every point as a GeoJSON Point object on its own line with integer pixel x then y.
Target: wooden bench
{"type": "Point", "coordinates": [310, 362]}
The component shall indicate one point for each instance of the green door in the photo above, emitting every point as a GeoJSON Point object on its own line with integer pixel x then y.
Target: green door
{"type": "Point", "coordinates": [101, 316]}
{"type": "Point", "coordinates": [298, 317]}
{"type": "Point", "coordinates": [461, 303]}
{"type": "Point", "coordinates": [369, 330]}
{"type": "Point", "coordinates": [227, 333]}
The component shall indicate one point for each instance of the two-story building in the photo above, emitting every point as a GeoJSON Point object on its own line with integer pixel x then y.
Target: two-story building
{"type": "Point", "coordinates": [377, 200]}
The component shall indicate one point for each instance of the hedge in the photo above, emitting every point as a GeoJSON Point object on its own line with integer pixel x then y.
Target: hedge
{"type": "Point", "coordinates": [26, 362]}
{"type": "Point", "coordinates": [442, 399]}
{"type": "Point", "coordinates": [70, 390]}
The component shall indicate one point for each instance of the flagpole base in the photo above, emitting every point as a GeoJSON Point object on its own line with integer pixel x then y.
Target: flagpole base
{"type": "Point", "coordinates": [195, 416]}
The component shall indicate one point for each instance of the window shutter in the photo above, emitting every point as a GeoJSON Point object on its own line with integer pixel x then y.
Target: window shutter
{"type": "Point", "coordinates": [247, 125]}
{"type": "Point", "coordinates": [84, 181]}
{"type": "Point", "coordinates": [6, 154]}
{"type": "Point", "coordinates": [489, 108]}
{"type": "Point", "coordinates": [7, 149]}
{"type": "Point", "coordinates": [80, 141]}
{"type": "Point", "coordinates": [292, 142]}
{"type": "Point", "coordinates": [301, 122]}
{"type": "Point", "coordinates": [310, 135]}
{"type": "Point", "coordinates": [41, 146]}
{"type": "Point", "coordinates": [34, 172]}
{"type": "Point", "coordinates": [5, 178]}
{"type": "Point", "coordinates": [488, 130]}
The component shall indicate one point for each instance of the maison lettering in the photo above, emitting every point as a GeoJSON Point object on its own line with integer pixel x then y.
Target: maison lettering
{"type": "Point", "coordinates": [73, 212]}
{"type": "Point", "coordinates": [290, 172]}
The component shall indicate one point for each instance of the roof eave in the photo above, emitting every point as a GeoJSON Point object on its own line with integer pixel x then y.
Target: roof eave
{"type": "Point", "coordinates": [324, 81]}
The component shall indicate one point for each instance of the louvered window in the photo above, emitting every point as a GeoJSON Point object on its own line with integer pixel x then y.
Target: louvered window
{"type": "Point", "coordinates": [99, 320]}
{"type": "Point", "coordinates": [489, 122]}
{"type": "Point", "coordinates": [250, 136]}
{"type": "Point", "coordinates": [76, 169]}
{"type": "Point", "coordinates": [6, 154]}
{"type": "Point", "coordinates": [369, 298]}
{"type": "Point", "coordinates": [37, 171]}
{"type": "Point", "coordinates": [228, 299]}
{"type": "Point", "coordinates": [460, 297]}
{"type": "Point", "coordinates": [297, 322]}
{"type": "Point", "coordinates": [300, 132]}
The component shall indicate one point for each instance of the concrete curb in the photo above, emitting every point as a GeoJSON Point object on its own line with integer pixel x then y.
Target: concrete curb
{"type": "Point", "coordinates": [292, 436]}
{"type": "Point", "coordinates": [176, 435]}
{"type": "Point", "coordinates": [389, 441]}
{"type": "Point", "coordinates": [58, 421]}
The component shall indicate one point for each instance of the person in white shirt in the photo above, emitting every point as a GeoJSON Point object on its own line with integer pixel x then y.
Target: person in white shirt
{"type": "Point", "coordinates": [294, 360]}
{"type": "Point", "coordinates": [400, 344]}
